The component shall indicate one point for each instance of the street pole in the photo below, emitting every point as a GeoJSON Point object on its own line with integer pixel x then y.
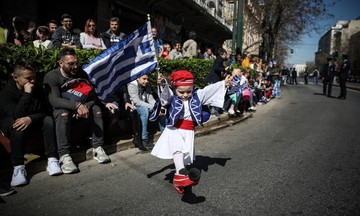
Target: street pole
{"type": "Point", "coordinates": [239, 36]}
{"type": "Point", "coordinates": [233, 47]}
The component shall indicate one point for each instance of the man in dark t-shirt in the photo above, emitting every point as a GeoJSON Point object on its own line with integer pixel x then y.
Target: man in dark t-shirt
{"type": "Point", "coordinates": [66, 109]}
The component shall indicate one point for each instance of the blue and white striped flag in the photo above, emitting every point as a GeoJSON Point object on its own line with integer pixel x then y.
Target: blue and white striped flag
{"type": "Point", "coordinates": [122, 63]}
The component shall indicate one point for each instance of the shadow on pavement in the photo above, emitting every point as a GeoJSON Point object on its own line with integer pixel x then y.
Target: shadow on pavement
{"type": "Point", "coordinates": [202, 163]}
{"type": "Point", "coordinates": [191, 198]}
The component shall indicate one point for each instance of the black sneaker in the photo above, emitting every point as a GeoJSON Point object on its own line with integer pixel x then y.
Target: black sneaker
{"type": "Point", "coordinates": [139, 144]}
{"type": "Point", "coordinates": [6, 190]}
{"type": "Point", "coordinates": [148, 144]}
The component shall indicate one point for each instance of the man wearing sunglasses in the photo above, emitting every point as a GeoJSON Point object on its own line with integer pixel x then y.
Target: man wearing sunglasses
{"type": "Point", "coordinates": [65, 35]}
{"type": "Point", "coordinates": [67, 110]}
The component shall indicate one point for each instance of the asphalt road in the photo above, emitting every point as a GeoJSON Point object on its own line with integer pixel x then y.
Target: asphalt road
{"type": "Point", "coordinates": [297, 155]}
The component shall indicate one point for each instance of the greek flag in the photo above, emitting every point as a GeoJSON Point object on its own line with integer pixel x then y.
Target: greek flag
{"type": "Point", "coordinates": [122, 63]}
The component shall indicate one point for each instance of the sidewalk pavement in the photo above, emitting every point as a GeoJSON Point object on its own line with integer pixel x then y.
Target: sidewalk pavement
{"type": "Point", "coordinates": [34, 163]}
{"type": "Point", "coordinates": [350, 85]}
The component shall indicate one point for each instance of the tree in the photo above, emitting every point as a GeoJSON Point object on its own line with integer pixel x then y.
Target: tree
{"type": "Point", "coordinates": [284, 21]}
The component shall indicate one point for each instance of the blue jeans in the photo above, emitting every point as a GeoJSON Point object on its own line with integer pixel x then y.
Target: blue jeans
{"type": "Point", "coordinates": [143, 113]}
{"type": "Point", "coordinates": [316, 80]}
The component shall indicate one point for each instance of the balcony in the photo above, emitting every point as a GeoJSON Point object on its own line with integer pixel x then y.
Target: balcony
{"type": "Point", "coordinates": [210, 8]}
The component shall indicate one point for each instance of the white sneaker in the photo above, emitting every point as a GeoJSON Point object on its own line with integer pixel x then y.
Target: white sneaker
{"type": "Point", "coordinates": [53, 167]}
{"type": "Point", "coordinates": [231, 111]}
{"type": "Point", "coordinates": [100, 155]}
{"type": "Point", "coordinates": [252, 108]}
{"type": "Point", "coordinates": [67, 165]}
{"type": "Point", "coordinates": [19, 176]}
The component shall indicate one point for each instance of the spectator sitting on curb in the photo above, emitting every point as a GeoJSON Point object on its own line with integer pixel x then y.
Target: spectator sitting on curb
{"type": "Point", "coordinates": [268, 89]}
{"type": "Point", "coordinates": [250, 104]}
{"type": "Point", "coordinates": [262, 92]}
{"type": "Point", "coordinates": [141, 96]}
{"type": "Point", "coordinates": [119, 107]}
{"type": "Point", "coordinates": [73, 104]}
{"type": "Point", "coordinates": [254, 99]}
{"type": "Point", "coordinates": [245, 93]}
{"type": "Point", "coordinates": [234, 91]}
{"type": "Point", "coordinates": [23, 110]}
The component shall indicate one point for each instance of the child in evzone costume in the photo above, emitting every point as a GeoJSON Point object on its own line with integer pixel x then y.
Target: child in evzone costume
{"type": "Point", "coordinates": [186, 107]}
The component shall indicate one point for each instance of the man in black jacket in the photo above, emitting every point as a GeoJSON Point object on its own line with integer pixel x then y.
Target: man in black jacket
{"type": "Point", "coordinates": [22, 110]}
{"type": "Point", "coordinates": [217, 73]}
{"type": "Point", "coordinates": [328, 73]}
{"type": "Point", "coordinates": [218, 69]}
{"type": "Point", "coordinates": [343, 75]}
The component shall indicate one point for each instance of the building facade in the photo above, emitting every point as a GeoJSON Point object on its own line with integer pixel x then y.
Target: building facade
{"type": "Point", "coordinates": [174, 19]}
{"type": "Point", "coordinates": [251, 37]}
{"type": "Point", "coordinates": [342, 38]}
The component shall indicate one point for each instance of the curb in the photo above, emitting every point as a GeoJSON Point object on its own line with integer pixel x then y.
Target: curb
{"type": "Point", "coordinates": [357, 88]}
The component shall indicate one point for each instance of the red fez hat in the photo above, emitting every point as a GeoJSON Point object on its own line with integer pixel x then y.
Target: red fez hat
{"type": "Point", "coordinates": [182, 78]}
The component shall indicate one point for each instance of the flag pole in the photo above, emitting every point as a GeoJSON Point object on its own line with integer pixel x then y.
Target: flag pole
{"type": "Point", "coordinates": [157, 68]}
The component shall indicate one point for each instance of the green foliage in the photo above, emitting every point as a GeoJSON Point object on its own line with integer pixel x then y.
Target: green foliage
{"type": "Point", "coordinates": [199, 67]}
{"type": "Point", "coordinates": [85, 56]}
{"type": "Point", "coordinates": [45, 60]}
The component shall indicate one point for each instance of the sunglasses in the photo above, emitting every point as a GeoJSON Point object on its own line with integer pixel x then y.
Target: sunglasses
{"type": "Point", "coordinates": [91, 25]}
{"type": "Point", "coordinates": [72, 64]}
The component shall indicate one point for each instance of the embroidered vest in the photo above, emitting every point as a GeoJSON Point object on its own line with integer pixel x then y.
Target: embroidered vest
{"type": "Point", "coordinates": [199, 113]}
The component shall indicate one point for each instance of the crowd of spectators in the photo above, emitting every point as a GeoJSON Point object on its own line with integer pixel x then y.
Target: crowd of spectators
{"type": "Point", "coordinates": [59, 35]}
{"type": "Point", "coordinates": [134, 101]}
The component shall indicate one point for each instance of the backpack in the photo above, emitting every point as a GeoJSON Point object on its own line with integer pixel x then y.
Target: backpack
{"type": "Point", "coordinates": [246, 95]}
{"type": "Point", "coordinates": [77, 90]}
